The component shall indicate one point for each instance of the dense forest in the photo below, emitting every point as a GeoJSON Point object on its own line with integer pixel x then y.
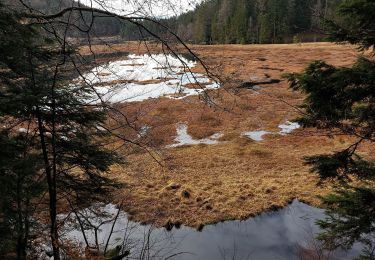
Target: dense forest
{"type": "Point", "coordinates": [215, 21]}
{"type": "Point", "coordinates": [81, 23]}
{"type": "Point", "coordinates": [255, 21]}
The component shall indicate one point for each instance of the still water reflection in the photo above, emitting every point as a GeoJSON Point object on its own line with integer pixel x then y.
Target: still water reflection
{"type": "Point", "coordinates": [285, 234]}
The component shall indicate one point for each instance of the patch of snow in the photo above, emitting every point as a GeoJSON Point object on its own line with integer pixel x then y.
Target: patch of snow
{"type": "Point", "coordinates": [101, 129]}
{"type": "Point", "coordinates": [183, 138]}
{"type": "Point", "coordinates": [143, 131]}
{"type": "Point", "coordinates": [64, 137]}
{"type": "Point", "coordinates": [141, 77]}
{"type": "Point", "coordinates": [216, 136]}
{"type": "Point", "coordinates": [256, 135]}
{"type": "Point", "coordinates": [288, 127]}
{"type": "Point", "coordinates": [23, 130]}
{"type": "Point", "coordinates": [44, 252]}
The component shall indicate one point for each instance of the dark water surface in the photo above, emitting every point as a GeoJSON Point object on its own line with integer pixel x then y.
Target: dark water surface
{"type": "Point", "coordinates": [284, 234]}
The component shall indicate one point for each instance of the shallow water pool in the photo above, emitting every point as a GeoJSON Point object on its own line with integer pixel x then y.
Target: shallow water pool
{"type": "Point", "coordinates": [283, 234]}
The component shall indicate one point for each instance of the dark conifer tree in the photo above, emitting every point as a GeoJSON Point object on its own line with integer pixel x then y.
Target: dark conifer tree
{"type": "Point", "coordinates": [344, 99]}
{"type": "Point", "coordinates": [64, 146]}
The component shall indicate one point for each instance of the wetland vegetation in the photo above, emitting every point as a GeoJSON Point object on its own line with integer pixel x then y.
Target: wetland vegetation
{"type": "Point", "coordinates": [164, 149]}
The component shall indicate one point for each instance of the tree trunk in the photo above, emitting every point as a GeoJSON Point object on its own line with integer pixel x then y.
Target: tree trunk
{"type": "Point", "coordinates": [51, 191]}
{"type": "Point", "coordinates": [274, 31]}
{"type": "Point", "coordinates": [51, 179]}
{"type": "Point", "coordinates": [326, 10]}
{"type": "Point", "coordinates": [21, 232]}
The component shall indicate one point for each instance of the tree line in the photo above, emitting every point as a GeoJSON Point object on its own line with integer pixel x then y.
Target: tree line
{"type": "Point", "coordinates": [255, 21]}
{"type": "Point", "coordinates": [211, 22]}
{"type": "Point", "coordinates": [80, 23]}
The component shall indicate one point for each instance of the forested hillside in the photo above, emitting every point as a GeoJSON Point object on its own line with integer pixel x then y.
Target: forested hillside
{"type": "Point", "coordinates": [213, 21]}
{"type": "Point", "coordinates": [255, 21]}
{"type": "Point", "coordinates": [102, 26]}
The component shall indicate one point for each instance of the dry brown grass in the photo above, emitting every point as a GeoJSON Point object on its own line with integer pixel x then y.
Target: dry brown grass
{"type": "Point", "coordinates": [233, 180]}
{"type": "Point", "coordinates": [237, 178]}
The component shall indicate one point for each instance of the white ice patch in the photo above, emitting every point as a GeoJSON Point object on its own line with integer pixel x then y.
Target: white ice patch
{"type": "Point", "coordinates": [101, 129]}
{"type": "Point", "coordinates": [183, 138]}
{"type": "Point", "coordinates": [23, 130]}
{"type": "Point", "coordinates": [143, 131]}
{"type": "Point", "coordinates": [256, 135]}
{"type": "Point", "coordinates": [288, 127]}
{"type": "Point", "coordinates": [147, 76]}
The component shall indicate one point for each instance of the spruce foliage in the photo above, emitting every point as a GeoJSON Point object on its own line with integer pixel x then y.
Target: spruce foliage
{"type": "Point", "coordinates": [343, 100]}
{"type": "Point", "coordinates": [50, 134]}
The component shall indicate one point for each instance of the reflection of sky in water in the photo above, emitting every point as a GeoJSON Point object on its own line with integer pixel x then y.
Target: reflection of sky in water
{"type": "Point", "coordinates": [277, 235]}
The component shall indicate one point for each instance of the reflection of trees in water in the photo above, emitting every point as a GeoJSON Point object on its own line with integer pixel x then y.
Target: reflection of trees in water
{"type": "Point", "coordinates": [313, 249]}
{"type": "Point", "coordinates": [106, 231]}
{"type": "Point", "coordinates": [233, 253]}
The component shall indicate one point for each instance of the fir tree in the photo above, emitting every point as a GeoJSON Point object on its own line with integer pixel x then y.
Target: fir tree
{"type": "Point", "coordinates": [64, 146]}
{"type": "Point", "coordinates": [344, 99]}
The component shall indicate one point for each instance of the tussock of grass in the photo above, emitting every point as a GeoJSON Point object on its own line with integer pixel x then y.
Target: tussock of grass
{"type": "Point", "coordinates": [239, 177]}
